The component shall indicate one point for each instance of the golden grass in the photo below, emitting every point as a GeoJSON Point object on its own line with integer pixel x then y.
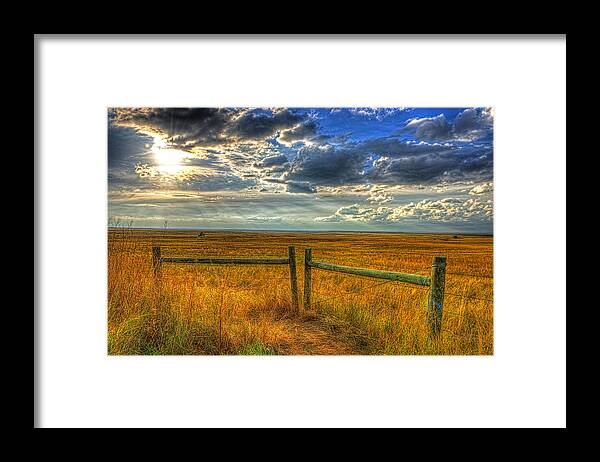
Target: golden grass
{"type": "Point", "coordinates": [209, 309]}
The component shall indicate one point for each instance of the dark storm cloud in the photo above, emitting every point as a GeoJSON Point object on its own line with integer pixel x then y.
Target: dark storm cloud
{"type": "Point", "coordinates": [124, 144]}
{"type": "Point", "coordinates": [257, 126]}
{"type": "Point", "coordinates": [395, 147]}
{"type": "Point", "coordinates": [470, 121]}
{"type": "Point", "coordinates": [204, 127]}
{"type": "Point", "coordinates": [326, 164]}
{"type": "Point", "coordinates": [470, 124]}
{"type": "Point", "coordinates": [271, 161]}
{"type": "Point", "coordinates": [274, 180]}
{"type": "Point", "coordinates": [472, 164]}
{"type": "Point", "coordinates": [389, 161]}
{"type": "Point", "coordinates": [184, 127]}
{"type": "Point", "coordinates": [306, 131]}
{"type": "Point", "coordinates": [126, 149]}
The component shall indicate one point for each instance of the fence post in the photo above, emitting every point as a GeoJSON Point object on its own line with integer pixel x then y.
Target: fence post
{"type": "Point", "coordinates": [307, 278]}
{"type": "Point", "coordinates": [293, 277]}
{"type": "Point", "coordinates": [156, 263]}
{"type": "Point", "coordinates": [436, 295]}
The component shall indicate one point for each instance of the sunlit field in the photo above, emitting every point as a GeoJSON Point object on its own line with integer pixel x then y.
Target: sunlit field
{"type": "Point", "coordinates": [195, 309]}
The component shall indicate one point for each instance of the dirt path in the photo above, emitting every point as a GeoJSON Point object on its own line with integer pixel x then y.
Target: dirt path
{"type": "Point", "coordinates": [310, 337]}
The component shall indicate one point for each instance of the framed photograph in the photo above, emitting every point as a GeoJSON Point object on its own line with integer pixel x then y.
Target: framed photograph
{"type": "Point", "coordinates": [227, 222]}
{"type": "Point", "coordinates": [300, 231]}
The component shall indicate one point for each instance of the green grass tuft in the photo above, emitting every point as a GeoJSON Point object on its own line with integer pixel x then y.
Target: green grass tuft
{"type": "Point", "coordinates": [257, 349]}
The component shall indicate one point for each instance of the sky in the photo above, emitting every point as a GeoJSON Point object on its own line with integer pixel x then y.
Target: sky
{"type": "Point", "coordinates": [346, 169]}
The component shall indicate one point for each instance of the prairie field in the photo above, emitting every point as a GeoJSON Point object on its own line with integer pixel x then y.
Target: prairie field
{"type": "Point", "coordinates": [198, 309]}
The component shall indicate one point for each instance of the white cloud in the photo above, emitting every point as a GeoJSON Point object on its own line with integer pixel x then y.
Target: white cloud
{"type": "Point", "coordinates": [469, 125]}
{"type": "Point", "coordinates": [379, 197]}
{"type": "Point", "coordinates": [482, 188]}
{"type": "Point", "coordinates": [449, 209]}
{"type": "Point", "coordinates": [378, 113]}
{"type": "Point", "coordinates": [265, 219]}
{"type": "Point", "coordinates": [355, 212]}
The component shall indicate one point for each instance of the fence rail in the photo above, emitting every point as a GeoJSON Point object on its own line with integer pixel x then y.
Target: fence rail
{"type": "Point", "coordinates": [390, 275]}
{"type": "Point", "coordinates": [229, 261]}
{"type": "Point", "coordinates": [435, 282]}
{"type": "Point", "coordinates": [158, 260]}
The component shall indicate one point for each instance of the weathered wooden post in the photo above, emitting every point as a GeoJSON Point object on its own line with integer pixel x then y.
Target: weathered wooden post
{"type": "Point", "coordinates": [293, 277]}
{"type": "Point", "coordinates": [307, 276]}
{"type": "Point", "coordinates": [436, 295]}
{"type": "Point", "coordinates": [156, 261]}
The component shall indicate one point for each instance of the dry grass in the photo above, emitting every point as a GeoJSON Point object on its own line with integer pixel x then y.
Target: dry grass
{"type": "Point", "coordinates": [206, 309]}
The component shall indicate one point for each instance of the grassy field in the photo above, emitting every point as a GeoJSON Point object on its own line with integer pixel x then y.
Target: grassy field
{"type": "Point", "coordinates": [246, 310]}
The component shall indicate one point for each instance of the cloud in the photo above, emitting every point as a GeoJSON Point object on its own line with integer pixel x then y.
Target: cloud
{"type": "Point", "coordinates": [482, 188]}
{"type": "Point", "coordinates": [378, 196]}
{"type": "Point", "coordinates": [181, 126]}
{"type": "Point", "coordinates": [356, 213]}
{"type": "Point", "coordinates": [429, 128]}
{"type": "Point", "coordinates": [450, 164]}
{"type": "Point", "coordinates": [449, 209]}
{"type": "Point", "coordinates": [390, 161]}
{"type": "Point", "coordinates": [378, 113]}
{"type": "Point", "coordinates": [327, 164]}
{"type": "Point", "coordinates": [470, 125]}
{"type": "Point", "coordinates": [300, 187]}
{"type": "Point", "coordinates": [260, 126]}
{"type": "Point", "coordinates": [192, 128]}
{"type": "Point", "coordinates": [265, 219]}
{"type": "Point", "coordinates": [246, 142]}
{"type": "Point", "coordinates": [125, 144]}
{"type": "Point", "coordinates": [271, 161]}
{"type": "Point", "coordinates": [303, 132]}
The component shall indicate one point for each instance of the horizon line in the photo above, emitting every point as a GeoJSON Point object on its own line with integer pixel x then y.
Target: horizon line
{"type": "Point", "coordinates": [291, 230]}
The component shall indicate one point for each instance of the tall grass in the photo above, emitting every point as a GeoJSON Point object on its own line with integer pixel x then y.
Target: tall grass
{"type": "Point", "coordinates": [205, 309]}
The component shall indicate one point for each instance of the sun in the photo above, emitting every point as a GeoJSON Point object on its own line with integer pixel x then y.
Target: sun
{"type": "Point", "coordinates": [168, 161]}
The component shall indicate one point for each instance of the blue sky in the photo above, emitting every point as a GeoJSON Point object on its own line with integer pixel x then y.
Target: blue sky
{"type": "Point", "coordinates": [362, 169]}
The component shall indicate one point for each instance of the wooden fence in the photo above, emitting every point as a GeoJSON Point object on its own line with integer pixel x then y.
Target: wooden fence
{"type": "Point", "coordinates": [158, 260]}
{"type": "Point", "coordinates": [435, 282]}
